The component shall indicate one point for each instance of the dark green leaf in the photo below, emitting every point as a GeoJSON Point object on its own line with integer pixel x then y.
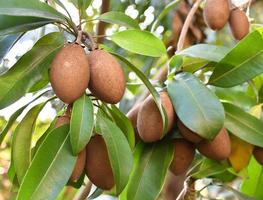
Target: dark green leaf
{"type": "Point", "coordinates": [81, 123]}
{"type": "Point", "coordinates": [29, 69]}
{"type": "Point", "coordinates": [119, 18]}
{"type": "Point", "coordinates": [242, 63]}
{"type": "Point", "coordinates": [196, 106]}
{"type": "Point", "coordinates": [149, 86]}
{"type": "Point", "coordinates": [118, 149]}
{"type": "Point", "coordinates": [151, 162]}
{"type": "Point", "coordinates": [6, 43]}
{"type": "Point", "coordinates": [140, 42]}
{"type": "Point", "coordinates": [95, 194]}
{"type": "Point", "coordinates": [50, 169]}
{"type": "Point", "coordinates": [243, 125]}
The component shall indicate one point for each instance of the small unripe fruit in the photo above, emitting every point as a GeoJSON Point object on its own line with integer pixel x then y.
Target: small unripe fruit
{"type": "Point", "coordinates": [98, 167]}
{"type": "Point", "coordinates": [187, 133]}
{"type": "Point", "coordinates": [217, 149]}
{"type": "Point", "coordinates": [184, 152]}
{"type": "Point", "coordinates": [258, 154]}
{"type": "Point", "coordinates": [107, 79]}
{"type": "Point", "coordinates": [239, 24]}
{"type": "Point", "coordinates": [62, 120]}
{"type": "Point", "coordinates": [149, 120]}
{"type": "Point", "coordinates": [79, 166]}
{"type": "Point", "coordinates": [132, 115]}
{"type": "Point", "coordinates": [69, 74]}
{"type": "Point", "coordinates": [216, 13]}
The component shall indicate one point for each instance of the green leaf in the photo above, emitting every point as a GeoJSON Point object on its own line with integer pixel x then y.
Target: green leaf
{"type": "Point", "coordinates": [119, 18]}
{"type": "Point", "coordinates": [205, 51]}
{"type": "Point", "coordinates": [140, 42]}
{"type": "Point", "coordinates": [119, 151]}
{"type": "Point", "coordinates": [33, 8]}
{"type": "Point", "coordinates": [149, 86]}
{"type": "Point", "coordinates": [196, 106]}
{"type": "Point", "coordinates": [14, 116]}
{"type": "Point", "coordinates": [50, 168]}
{"type": "Point", "coordinates": [21, 142]}
{"type": "Point", "coordinates": [151, 162]}
{"type": "Point", "coordinates": [95, 194]}
{"type": "Point", "coordinates": [164, 12]}
{"type": "Point", "coordinates": [7, 42]}
{"type": "Point", "coordinates": [81, 123]}
{"type": "Point", "coordinates": [124, 124]}
{"type": "Point", "coordinates": [243, 125]}
{"type": "Point", "coordinates": [16, 24]}
{"type": "Point", "coordinates": [29, 69]}
{"type": "Point", "coordinates": [242, 63]}
{"type": "Point", "coordinates": [253, 184]}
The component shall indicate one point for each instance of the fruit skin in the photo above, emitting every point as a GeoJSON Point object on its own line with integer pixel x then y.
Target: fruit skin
{"type": "Point", "coordinates": [187, 133]}
{"type": "Point", "coordinates": [79, 166]}
{"type": "Point", "coordinates": [62, 120]}
{"type": "Point", "coordinates": [132, 115]}
{"type": "Point", "coordinates": [217, 149]}
{"type": "Point", "coordinates": [107, 81]}
{"type": "Point", "coordinates": [69, 73]}
{"type": "Point", "coordinates": [258, 154]}
{"type": "Point", "coordinates": [216, 13]}
{"type": "Point", "coordinates": [149, 120]}
{"type": "Point", "coordinates": [184, 153]}
{"type": "Point", "coordinates": [239, 24]}
{"type": "Point", "coordinates": [98, 167]}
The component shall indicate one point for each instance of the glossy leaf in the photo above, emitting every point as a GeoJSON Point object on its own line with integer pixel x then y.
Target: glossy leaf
{"type": "Point", "coordinates": [46, 177]}
{"type": "Point", "coordinates": [242, 63]}
{"type": "Point", "coordinates": [140, 42]}
{"type": "Point", "coordinates": [205, 51]}
{"type": "Point", "coordinates": [14, 116]}
{"type": "Point", "coordinates": [29, 69]}
{"type": "Point", "coordinates": [149, 86]}
{"type": "Point", "coordinates": [21, 142]}
{"type": "Point", "coordinates": [7, 42]}
{"type": "Point", "coordinates": [243, 125]}
{"type": "Point", "coordinates": [119, 18]}
{"type": "Point", "coordinates": [151, 162]}
{"type": "Point", "coordinates": [119, 151]}
{"type": "Point", "coordinates": [81, 123]}
{"type": "Point", "coordinates": [33, 8]}
{"type": "Point", "coordinates": [196, 106]}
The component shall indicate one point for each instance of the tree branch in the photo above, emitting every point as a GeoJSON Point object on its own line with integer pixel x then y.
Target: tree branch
{"type": "Point", "coordinates": [102, 25]}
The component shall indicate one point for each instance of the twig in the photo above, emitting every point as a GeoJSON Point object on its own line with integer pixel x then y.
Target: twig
{"type": "Point", "coordinates": [79, 37]}
{"type": "Point", "coordinates": [85, 192]}
{"type": "Point", "coordinates": [92, 42]}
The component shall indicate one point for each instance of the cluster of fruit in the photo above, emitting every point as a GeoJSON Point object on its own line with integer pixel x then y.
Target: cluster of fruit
{"type": "Point", "coordinates": [72, 72]}
{"type": "Point", "coordinates": [217, 13]}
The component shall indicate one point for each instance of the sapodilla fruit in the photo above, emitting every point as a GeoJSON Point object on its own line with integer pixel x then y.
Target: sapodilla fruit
{"type": "Point", "coordinates": [149, 120]}
{"type": "Point", "coordinates": [79, 166]}
{"type": "Point", "coordinates": [217, 149]}
{"type": "Point", "coordinates": [216, 13]}
{"type": "Point", "coordinates": [69, 74]}
{"type": "Point", "coordinates": [98, 167]}
{"type": "Point", "coordinates": [184, 152]}
{"type": "Point", "coordinates": [258, 154]}
{"type": "Point", "coordinates": [107, 80]}
{"type": "Point", "coordinates": [187, 133]}
{"type": "Point", "coordinates": [239, 23]}
{"type": "Point", "coordinates": [64, 119]}
{"type": "Point", "coordinates": [132, 115]}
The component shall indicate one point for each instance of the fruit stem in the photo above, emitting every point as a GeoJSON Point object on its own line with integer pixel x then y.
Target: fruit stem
{"type": "Point", "coordinates": [92, 42]}
{"type": "Point", "coordinates": [79, 37]}
{"type": "Point", "coordinates": [85, 192]}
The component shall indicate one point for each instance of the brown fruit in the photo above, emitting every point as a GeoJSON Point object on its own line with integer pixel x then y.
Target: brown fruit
{"type": "Point", "coordinates": [107, 80]}
{"type": "Point", "coordinates": [216, 13]}
{"type": "Point", "coordinates": [79, 166]}
{"type": "Point", "coordinates": [98, 167]}
{"type": "Point", "coordinates": [217, 149]}
{"type": "Point", "coordinates": [239, 24]}
{"type": "Point", "coordinates": [69, 74]}
{"type": "Point", "coordinates": [132, 115]}
{"type": "Point", "coordinates": [62, 120]}
{"type": "Point", "coordinates": [187, 133]}
{"type": "Point", "coordinates": [149, 120]}
{"type": "Point", "coordinates": [184, 152]}
{"type": "Point", "coordinates": [258, 154]}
